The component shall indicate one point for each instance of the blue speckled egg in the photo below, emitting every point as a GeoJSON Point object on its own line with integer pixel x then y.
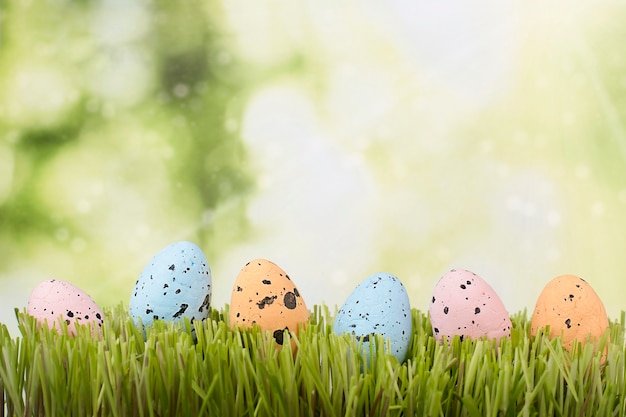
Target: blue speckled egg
{"type": "Point", "coordinates": [175, 284]}
{"type": "Point", "coordinates": [378, 305]}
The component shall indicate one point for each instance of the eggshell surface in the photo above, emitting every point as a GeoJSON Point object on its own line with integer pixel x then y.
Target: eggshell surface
{"type": "Point", "coordinates": [572, 309]}
{"type": "Point", "coordinates": [264, 295]}
{"type": "Point", "coordinates": [175, 284]}
{"type": "Point", "coordinates": [464, 304]}
{"type": "Point", "coordinates": [55, 299]}
{"type": "Point", "coordinates": [378, 305]}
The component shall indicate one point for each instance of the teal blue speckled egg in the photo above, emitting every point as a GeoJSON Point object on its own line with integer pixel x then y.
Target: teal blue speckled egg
{"type": "Point", "coordinates": [379, 305]}
{"type": "Point", "coordinates": [175, 284]}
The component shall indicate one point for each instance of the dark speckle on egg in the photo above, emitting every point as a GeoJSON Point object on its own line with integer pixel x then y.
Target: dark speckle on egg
{"type": "Point", "coordinates": [205, 304]}
{"type": "Point", "coordinates": [290, 300]}
{"type": "Point", "coordinates": [266, 301]}
{"type": "Point", "coordinates": [279, 335]}
{"type": "Point", "coordinates": [183, 308]}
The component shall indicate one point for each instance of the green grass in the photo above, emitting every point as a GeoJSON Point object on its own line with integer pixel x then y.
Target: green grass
{"type": "Point", "coordinates": [221, 372]}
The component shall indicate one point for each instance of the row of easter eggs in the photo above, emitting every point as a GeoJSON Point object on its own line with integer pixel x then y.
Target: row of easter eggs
{"type": "Point", "coordinates": [177, 284]}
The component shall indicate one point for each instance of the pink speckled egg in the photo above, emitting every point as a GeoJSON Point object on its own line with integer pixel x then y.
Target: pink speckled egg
{"type": "Point", "coordinates": [54, 299]}
{"type": "Point", "coordinates": [464, 304]}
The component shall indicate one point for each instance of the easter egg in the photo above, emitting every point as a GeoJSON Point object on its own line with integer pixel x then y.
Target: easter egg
{"type": "Point", "coordinates": [572, 309]}
{"type": "Point", "coordinates": [464, 304]}
{"type": "Point", "coordinates": [55, 299]}
{"type": "Point", "coordinates": [379, 305]}
{"type": "Point", "coordinates": [265, 296]}
{"type": "Point", "coordinates": [175, 284]}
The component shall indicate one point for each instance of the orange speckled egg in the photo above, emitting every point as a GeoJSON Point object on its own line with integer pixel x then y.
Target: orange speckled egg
{"type": "Point", "coordinates": [264, 295]}
{"type": "Point", "coordinates": [572, 309]}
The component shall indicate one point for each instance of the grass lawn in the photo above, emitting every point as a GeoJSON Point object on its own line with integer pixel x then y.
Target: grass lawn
{"type": "Point", "coordinates": [172, 370]}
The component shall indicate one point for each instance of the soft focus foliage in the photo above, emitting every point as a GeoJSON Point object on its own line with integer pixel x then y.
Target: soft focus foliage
{"type": "Point", "coordinates": [120, 136]}
{"type": "Point", "coordinates": [336, 140]}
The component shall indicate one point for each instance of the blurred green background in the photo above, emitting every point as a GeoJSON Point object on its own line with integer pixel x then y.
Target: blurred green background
{"type": "Point", "coordinates": [337, 139]}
